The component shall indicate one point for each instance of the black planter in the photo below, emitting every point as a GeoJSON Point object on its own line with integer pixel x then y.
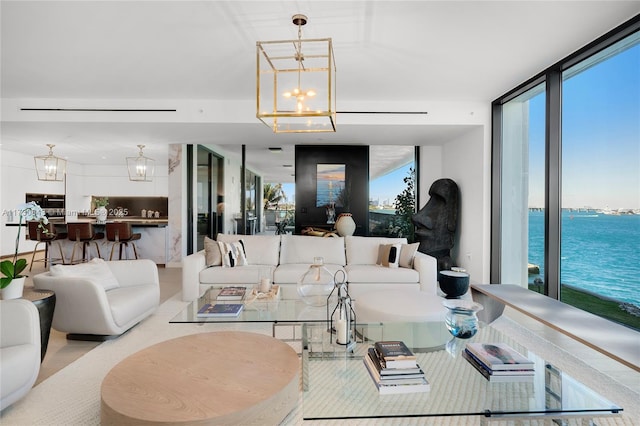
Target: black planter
{"type": "Point", "coordinates": [453, 283]}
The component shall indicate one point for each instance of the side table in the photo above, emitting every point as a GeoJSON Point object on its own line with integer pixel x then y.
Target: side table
{"type": "Point", "coordinates": [45, 301]}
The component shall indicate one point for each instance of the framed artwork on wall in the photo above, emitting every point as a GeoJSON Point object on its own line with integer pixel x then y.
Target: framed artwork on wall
{"type": "Point", "coordinates": [330, 180]}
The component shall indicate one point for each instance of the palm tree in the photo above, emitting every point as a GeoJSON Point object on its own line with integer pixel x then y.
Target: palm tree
{"type": "Point", "coordinates": [273, 194]}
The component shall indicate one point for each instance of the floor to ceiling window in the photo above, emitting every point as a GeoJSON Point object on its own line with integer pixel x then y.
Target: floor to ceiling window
{"type": "Point", "coordinates": [392, 172]}
{"type": "Point", "coordinates": [566, 187]}
{"type": "Point", "coordinates": [600, 237]}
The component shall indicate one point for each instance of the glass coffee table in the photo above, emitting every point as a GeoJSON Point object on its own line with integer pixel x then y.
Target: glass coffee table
{"type": "Point", "coordinates": [336, 384]}
{"type": "Point", "coordinates": [255, 310]}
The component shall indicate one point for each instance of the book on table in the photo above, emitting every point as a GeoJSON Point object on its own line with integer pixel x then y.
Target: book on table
{"type": "Point", "coordinates": [395, 354]}
{"type": "Point", "coordinates": [499, 356]}
{"type": "Point", "coordinates": [500, 376]}
{"type": "Point", "coordinates": [384, 371]}
{"type": "Point", "coordinates": [232, 293]}
{"type": "Point", "coordinates": [220, 310]}
{"type": "Point", "coordinates": [395, 380]}
{"type": "Point", "coordinates": [398, 385]}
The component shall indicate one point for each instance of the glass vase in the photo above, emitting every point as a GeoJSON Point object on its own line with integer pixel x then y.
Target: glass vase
{"type": "Point", "coordinates": [461, 319]}
{"type": "Point", "coordinates": [315, 285]}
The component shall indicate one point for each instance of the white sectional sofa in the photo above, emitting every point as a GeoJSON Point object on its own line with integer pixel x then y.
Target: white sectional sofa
{"type": "Point", "coordinates": [285, 258]}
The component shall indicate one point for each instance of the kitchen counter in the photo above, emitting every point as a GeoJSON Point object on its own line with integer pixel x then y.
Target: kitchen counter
{"type": "Point", "coordinates": [135, 221]}
{"type": "Point", "coordinates": [153, 243]}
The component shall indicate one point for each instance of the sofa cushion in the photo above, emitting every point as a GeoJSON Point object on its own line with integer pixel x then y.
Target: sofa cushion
{"type": "Point", "coordinates": [233, 254]}
{"type": "Point", "coordinates": [303, 248]}
{"type": "Point", "coordinates": [407, 254]}
{"type": "Point", "coordinates": [292, 272]}
{"type": "Point", "coordinates": [249, 274]}
{"type": "Point", "coordinates": [128, 303]}
{"type": "Point", "coordinates": [380, 274]}
{"type": "Point", "coordinates": [96, 271]}
{"type": "Point", "coordinates": [212, 254]}
{"type": "Point", "coordinates": [260, 249]}
{"type": "Point", "coordinates": [389, 255]}
{"type": "Point", "coordinates": [364, 250]}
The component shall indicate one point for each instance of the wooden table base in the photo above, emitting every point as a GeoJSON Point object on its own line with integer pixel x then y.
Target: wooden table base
{"type": "Point", "coordinates": [208, 378]}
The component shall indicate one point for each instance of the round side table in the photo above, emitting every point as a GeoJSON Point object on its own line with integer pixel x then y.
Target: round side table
{"type": "Point", "coordinates": [45, 301]}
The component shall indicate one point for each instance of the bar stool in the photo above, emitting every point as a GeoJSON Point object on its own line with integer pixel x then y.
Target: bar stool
{"type": "Point", "coordinates": [47, 235]}
{"type": "Point", "coordinates": [121, 234]}
{"type": "Point", "coordinates": [83, 234]}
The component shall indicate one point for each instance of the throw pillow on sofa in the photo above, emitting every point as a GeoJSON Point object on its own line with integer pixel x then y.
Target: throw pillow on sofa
{"type": "Point", "coordinates": [407, 254]}
{"type": "Point", "coordinates": [212, 254]}
{"type": "Point", "coordinates": [389, 255]}
{"type": "Point", "coordinates": [96, 270]}
{"type": "Point", "coordinates": [233, 254]}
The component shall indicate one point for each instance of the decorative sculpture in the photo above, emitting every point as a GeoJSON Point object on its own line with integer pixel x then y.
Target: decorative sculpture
{"type": "Point", "coordinates": [436, 222]}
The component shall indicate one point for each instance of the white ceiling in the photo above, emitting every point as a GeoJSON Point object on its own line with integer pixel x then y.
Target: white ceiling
{"type": "Point", "coordinates": [159, 51]}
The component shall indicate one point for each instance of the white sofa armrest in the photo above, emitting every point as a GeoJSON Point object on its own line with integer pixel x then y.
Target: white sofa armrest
{"type": "Point", "coordinates": [191, 267]}
{"type": "Point", "coordinates": [427, 267]}
{"type": "Point", "coordinates": [79, 301]}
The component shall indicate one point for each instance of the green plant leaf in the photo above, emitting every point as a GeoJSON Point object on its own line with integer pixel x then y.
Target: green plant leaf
{"type": "Point", "coordinates": [6, 267]}
{"type": "Point", "coordinates": [5, 282]}
{"type": "Point", "coordinates": [20, 266]}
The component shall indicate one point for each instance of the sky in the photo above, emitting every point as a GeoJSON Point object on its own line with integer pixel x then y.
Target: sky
{"type": "Point", "coordinates": [600, 136]}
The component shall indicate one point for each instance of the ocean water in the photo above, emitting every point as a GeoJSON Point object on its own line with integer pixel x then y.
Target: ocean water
{"type": "Point", "coordinates": [599, 253]}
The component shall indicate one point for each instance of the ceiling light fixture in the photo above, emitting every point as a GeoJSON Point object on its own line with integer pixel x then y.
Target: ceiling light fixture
{"type": "Point", "coordinates": [141, 168]}
{"type": "Point", "coordinates": [49, 167]}
{"type": "Point", "coordinates": [296, 84]}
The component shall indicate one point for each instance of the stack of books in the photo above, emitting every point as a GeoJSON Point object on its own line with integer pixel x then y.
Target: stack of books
{"type": "Point", "coordinates": [499, 362]}
{"type": "Point", "coordinates": [394, 369]}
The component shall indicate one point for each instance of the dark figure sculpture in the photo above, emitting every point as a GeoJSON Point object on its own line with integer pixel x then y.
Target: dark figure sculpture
{"type": "Point", "coordinates": [436, 222]}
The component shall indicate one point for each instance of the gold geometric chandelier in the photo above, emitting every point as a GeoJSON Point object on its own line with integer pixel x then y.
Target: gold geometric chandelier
{"type": "Point", "coordinates": [49, 167]}
{"type": "Point", "coordinates": [296, 84]}
{"type": "Point", "coordinates": [140, 168]}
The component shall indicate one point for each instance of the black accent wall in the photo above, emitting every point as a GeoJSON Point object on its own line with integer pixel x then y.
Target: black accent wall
{"type": "Point", "coordinates": [356, 159]}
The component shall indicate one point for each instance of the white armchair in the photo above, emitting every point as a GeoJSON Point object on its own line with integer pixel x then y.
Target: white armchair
{"type": "Point", "coordinates": [101, 300]}
{"type": "Point", "coordinates": [19, 349]}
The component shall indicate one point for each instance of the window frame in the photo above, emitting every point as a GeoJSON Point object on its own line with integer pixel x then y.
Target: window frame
{"type": "Point", "coordinates": [552, 77]}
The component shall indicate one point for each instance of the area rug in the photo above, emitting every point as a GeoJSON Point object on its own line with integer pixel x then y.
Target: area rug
{"type": "Point", "coordinates": [72, 396]}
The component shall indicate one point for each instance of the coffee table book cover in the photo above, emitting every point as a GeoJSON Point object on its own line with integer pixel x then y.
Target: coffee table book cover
{"type": "Point", "coordinates": [220, 310]}
{"type": "Point", "coordinates": [394, 354]}
{"type": "Point", "coordinates": [499, 356]}
{"type": "Point", "coordinates": [232, 293]}
{"type": "Point", "coordinates": [500, 376]}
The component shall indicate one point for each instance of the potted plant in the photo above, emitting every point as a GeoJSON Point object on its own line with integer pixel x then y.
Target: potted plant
{"type": "Point", "coordinates": [101, 211]}
{"type": "Point", "coordinates": [12, 284]}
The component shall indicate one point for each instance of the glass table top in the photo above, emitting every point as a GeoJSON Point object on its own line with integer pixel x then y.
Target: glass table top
{"type": "Point", "coordinates": [337, 385]}
{"type": "Point", "coordinates": [255, 310]}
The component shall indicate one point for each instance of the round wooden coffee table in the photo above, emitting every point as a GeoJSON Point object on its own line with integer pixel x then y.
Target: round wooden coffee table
{"type": "Point", "coordinates": [208, 378]}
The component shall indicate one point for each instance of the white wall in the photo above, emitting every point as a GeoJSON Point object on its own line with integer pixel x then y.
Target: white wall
{"type": "Point", "coordinates": [463, 161]}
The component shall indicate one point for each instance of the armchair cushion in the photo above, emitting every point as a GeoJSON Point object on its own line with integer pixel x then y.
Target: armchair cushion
{"type": "Point", "coordinates": [96, 270]}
